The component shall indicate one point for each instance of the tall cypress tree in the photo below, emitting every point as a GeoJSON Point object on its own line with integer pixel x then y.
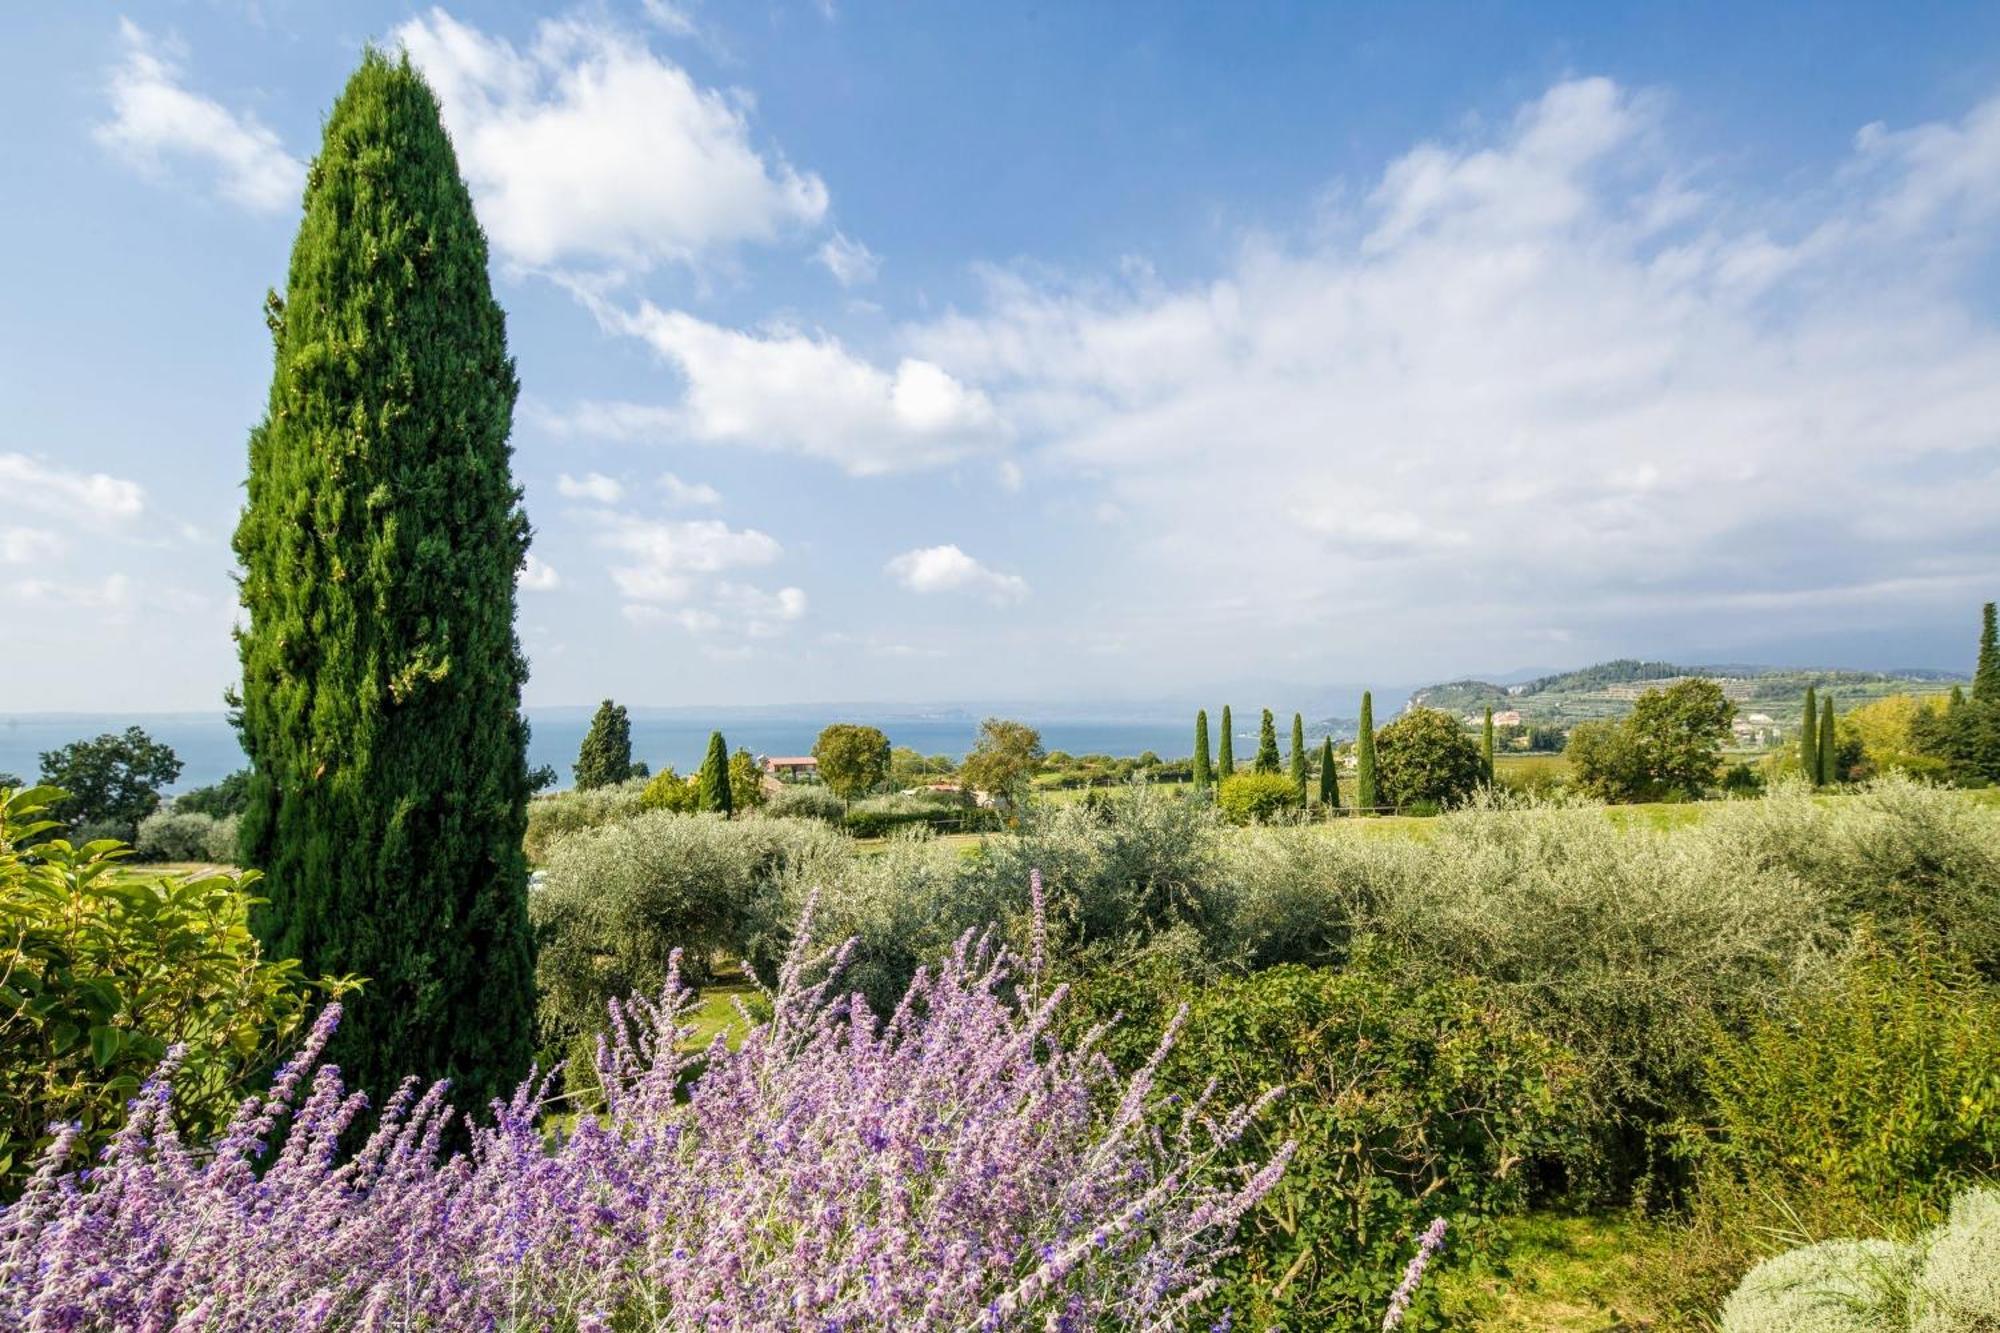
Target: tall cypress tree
{"type": "Point", "coordinates": [1204, 776]}
{"type": "Point", "coordinates": [1986, 676]}
{"type": "Point", "coordinates": [606, 754]}
{"type": "Point", "coordinates": [1329, 776]}
{"type": "Point", "coordinates": [1267, 744]}
{"type": "Point", "coordinates": [1486, 745]}
{"type": "Point", "coordinates": [712, 788]}
{"type": "Point", "coordinates": [1364, 755]}
{"type": "Point", "coordinates": [1809, 737]}
{"type": "Point", "coordinates": [380, 705]}
{"type": "Point", "coordinates": [1225, 763]}
{"type": "Point", "coordinates": [1828, 769]}
{"type": "Point", "coordinates": [1299, 755]}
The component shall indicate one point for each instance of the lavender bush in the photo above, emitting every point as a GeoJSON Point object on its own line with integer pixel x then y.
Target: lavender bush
{"type": "Point", "coordinates": [950, 1167]}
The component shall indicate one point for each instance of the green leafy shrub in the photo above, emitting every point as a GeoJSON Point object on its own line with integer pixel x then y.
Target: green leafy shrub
{"type": "Point", "coordinates": [101, 971]}
{"type": "Point", "coordinates": [1407, 1102]}
{"type": "Point", "coordinates": [1425, 758]}
{"type": "Point", "coordinates": [177, 835]}
{"type": "Point", "coordinates": [1251, 797]}
{"type": "Point", "coordinates": [1864, 1099]}
{"type": "Point", "coordinates": [553, 817]}
{"type": "Point", "coordinates": [671, 792]}
{"type": "Point", "coordinates": [880, 815]}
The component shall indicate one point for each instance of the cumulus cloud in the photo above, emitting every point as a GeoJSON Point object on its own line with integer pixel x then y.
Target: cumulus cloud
{"type": "Point", "coordinates": [1552, 377]}
{"type": "Point", "coordinates": [538, 576]}
{"type": "Point", "coordinates": [663, 561]}
{"type": "Point", "coordinates": [948, 569]}
{"type": "Point", "coordinates": [590, 486]}
{"type": "Point", "coordinates": [29, 483]}
{"type": "Point", "coordinates": [155, 121]}
{"type": "Point", "coordinates": [851, 263]}
{"type": "Point", "coordinates": [680, 492]}
{"type": "Point", "coordinates": [26, 546]}
{"type": "Point", "coordinates": [586, 148]}
{"type": "Point", "coordinates": [799, 393]}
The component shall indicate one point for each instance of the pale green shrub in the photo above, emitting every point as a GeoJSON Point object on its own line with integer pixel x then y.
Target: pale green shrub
{"type": "Point", "coordinates": [1836, 1286]}
{"type": "Point", "coordinates": [802, 800]}
{"type": "Point", "coordinates": [552, 817]}
{"type": "Point", "coordinates": [173, 835]}
{"type": "Point", "coordinates": [618, 899]}
{"type": "Point", "coordinates": [1958, 1288]}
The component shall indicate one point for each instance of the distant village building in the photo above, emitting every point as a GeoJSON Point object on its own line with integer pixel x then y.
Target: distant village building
{"type": "Point", "coordinates": [1756, 729]}
{"type": "Point", "coordinates": [792, 768]}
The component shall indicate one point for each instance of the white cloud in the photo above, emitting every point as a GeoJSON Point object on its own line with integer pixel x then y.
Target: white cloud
{"type": "Point", "coordinates": [154, 119]}
{"type": "Point", "coordinates": [798, 393]}
{"type": "Point", "coordinates": [587, 148]}
{"type": "Point", "coordinates": [948, 569]}
{"type": "Point", "coordinates": [590, 486]}
{"type": "Point", "coordinates": [759, 614]}
{"type": "Point", "coordinates": [663, 561]}
{"type": "Point", "coordinates": [1552, 371]}
{"type": "Point", "coordinates": [539, 576]}
{"type": "Point", "coordinates": [680, 492]}
{"type": "Point", "coordinates": [27, 546]}
{"type": "Point", "coordinates": [851, 263]}
{"type": "Point", "coordinates": [31, 484]}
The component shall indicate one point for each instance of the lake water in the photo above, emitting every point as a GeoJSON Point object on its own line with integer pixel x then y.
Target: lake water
{"type": "Point", "coordinates": [206, 745]}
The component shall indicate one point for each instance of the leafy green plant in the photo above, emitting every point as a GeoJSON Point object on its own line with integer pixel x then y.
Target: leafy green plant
{"type": "Point", "coordinates": [102, 970]}
{"type": "Point", "coordinates": [553, 817]}
{"type": "Point", "coordinates": [1257, 797]}
{"type": "Point", "coordinates": [1426, 758]}
{"type": "Point", "coordinates": [1407, 1101]}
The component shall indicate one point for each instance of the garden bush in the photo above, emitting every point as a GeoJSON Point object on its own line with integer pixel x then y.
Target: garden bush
{"type": "Point", "coordinates": [954, 1168]}
{"type": "Point", "coordinates": [619, 900]}
{"type": "Point", "coordinates": [1406, 1102]}
{"type": "Point", "coordinates": [805, 800]}
{"type": "Point", "coordinates": [177, 835]}
{"type": "Point", "coordinates": [101, 972]}
{"type": "Point", "coordinates": [668, 790]}
{"type": "Point", "coordinates": [553, 816]}
{"type": "Point", "coordinates": [1251, 797]}
{"type": "Point", "coordinates": [1863, 1100]}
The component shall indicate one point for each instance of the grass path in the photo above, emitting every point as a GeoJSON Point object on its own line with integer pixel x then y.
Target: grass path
{"type": "Point", "coordinates": [1565, 1274]}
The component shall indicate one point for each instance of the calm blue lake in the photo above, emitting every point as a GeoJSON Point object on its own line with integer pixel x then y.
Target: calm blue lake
{"type": "Point", "coordinates": [207, 746]}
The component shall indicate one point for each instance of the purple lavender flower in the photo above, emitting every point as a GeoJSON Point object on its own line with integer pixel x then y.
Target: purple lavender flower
{"type": "Point", "coordinates": [1413, 1275]}
{"type": "Point", "coordinates": [946, 1166]}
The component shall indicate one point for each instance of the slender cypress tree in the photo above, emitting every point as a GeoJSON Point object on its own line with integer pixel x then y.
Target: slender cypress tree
{"type": "Point", "coordinates": [1829, 772]}
{"type": "Point", "coordinates": [1986, 676]}
{"type": "Point", "coordinates": [1329, 776]}
{"type": "Point", "coordinates": [1204, 776]}
{"type": "Point", "coordinates": [1364, 755]}
{"type": "Point", "coordinates": [1267, 745]}
{"type": "Point", "coordinates": [606, 754]}
{"type": "Point", "coordinates": [1225, 763]}
{"type": "Point", "coordinates": [712, 788]}
{"type": "Point", "coordinates": [1299, 755]}
{"type": "Point", "coordinates": [380, 704]}
{"type": "Point", "coordinates": [1809, 737]}
{"type": "Point", "coordinates": [1486, 745]}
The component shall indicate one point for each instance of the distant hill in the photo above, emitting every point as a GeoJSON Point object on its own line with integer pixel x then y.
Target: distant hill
{"type": "Point", "coordinates": [1608, 689]}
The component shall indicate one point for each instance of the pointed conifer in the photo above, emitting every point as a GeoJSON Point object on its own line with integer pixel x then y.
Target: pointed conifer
{"type": "Point", "coordinates": [606, 754]}
{"type": "Point", "coordinates": [1486, 745]}
{"type": "Point", "coordinates": [1329, 776]}
{"type": "Point", "coordinates": [1225, 762]}
{"type": "Point", "coordinates": [1267, 745]}
{"type": "Point", "coordinates": [712, 788]}
{"type": "Point", "coordinates": [380, 539]}
{"type": "Point", "coordinates": [1299, 755]}
{"type": "Point", "coordinates": [1364, 756]}
{"type": "Point", "coordinates": [1809, 737]}
{"type": "Point", "coordinates": [1986, 676]}
{"type": "Point", "coordinates": [1204, 776]}
{"type": "Point", "coordinates": [1828, 772]}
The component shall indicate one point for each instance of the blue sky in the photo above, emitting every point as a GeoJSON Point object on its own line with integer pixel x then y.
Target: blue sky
{"type": "Point", "coordinates": [958, 351]}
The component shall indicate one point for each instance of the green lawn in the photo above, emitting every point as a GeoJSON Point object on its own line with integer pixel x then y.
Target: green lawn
{"type": "Point", "coordinates": [1564, 1274]}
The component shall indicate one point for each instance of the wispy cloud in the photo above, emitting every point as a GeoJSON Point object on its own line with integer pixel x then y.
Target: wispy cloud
{"type": "Point", "coordinates": [157, 123]}
{"type": "Point", "coordinates": [933, 569]}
